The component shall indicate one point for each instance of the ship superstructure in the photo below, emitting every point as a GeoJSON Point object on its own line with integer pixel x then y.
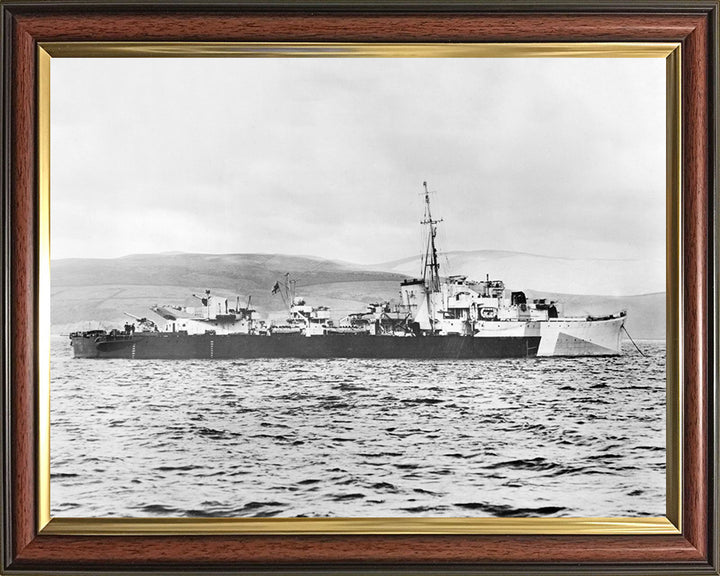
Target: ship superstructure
{"type": "Point", "coordinates": [457, 305]}
{"type": "Point", "coordinates": [215, 314]}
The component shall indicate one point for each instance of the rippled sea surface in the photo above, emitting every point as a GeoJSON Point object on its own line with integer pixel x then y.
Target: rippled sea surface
{"type": "Point", "coordinates": [529, 437]}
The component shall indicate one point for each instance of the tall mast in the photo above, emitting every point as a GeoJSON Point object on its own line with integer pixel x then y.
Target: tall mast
{"type": "Point", "coordinates": [431, 267]}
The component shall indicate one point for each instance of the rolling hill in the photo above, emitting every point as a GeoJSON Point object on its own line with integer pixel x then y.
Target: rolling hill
{"type": "Point", "coordinates": [564, 275]}
{"type": "Point", "coordinates": [90, 292]}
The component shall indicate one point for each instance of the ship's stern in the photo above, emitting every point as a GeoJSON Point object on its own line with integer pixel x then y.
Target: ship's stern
{"type": "Point", "coordinates": [84, 344]}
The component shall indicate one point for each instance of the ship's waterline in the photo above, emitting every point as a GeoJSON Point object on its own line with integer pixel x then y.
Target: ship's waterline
{"type": "Point", "coordinates": [358, 438]}
{"type": "Point", "coordinates": [158, 345]}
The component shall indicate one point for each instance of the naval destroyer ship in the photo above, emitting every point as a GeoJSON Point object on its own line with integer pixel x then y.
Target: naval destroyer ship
{"type": "Point", "coordinates": [453, 317]}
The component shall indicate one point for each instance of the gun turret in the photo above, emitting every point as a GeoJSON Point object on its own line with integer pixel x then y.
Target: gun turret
{"type": "Point", "coordinates": [145, 323]}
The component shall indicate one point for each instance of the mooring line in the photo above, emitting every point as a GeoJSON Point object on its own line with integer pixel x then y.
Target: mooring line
{"type": "Point", "coordinates": [633, 341]}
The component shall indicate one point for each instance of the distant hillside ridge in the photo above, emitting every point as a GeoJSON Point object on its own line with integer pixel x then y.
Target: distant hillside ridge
{"type": "Point", "coordinates": [246, 272]}
{"type": "Point", "coordinates": [92, 293]}
{"type": "Point", "coordinates": [520, 271]}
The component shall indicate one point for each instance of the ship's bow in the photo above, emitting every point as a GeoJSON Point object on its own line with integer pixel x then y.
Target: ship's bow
{"type": "Point", "coordinates": [591, 337]}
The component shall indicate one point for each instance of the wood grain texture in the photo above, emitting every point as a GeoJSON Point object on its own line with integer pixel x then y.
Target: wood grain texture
{"type": "Point", "coordinates": [689, 551]}
{"type": "Point", "coordinates": [22, 296]}
{"type": "Point", "coordinates": [696, 199]}
{"type": "Point", "coordinates": [363, 550]}
{"type": "Point", "coordinates": [359, 28]}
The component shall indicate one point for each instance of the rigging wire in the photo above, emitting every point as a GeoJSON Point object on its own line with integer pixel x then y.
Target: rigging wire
{"type": "Point", "coordinates": [442, 241]}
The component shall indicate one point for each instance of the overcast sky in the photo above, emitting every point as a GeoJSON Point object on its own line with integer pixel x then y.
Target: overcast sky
{"type": "Point", "coordinates": [326, 157]}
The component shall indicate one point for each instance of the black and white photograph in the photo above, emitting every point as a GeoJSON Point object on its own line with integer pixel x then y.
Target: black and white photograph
{"type": "Point", "coordinates": [358, 287]}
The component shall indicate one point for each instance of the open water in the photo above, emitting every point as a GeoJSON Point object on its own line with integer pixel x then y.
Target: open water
{"type": "Point", "coordinates": [358, 438]}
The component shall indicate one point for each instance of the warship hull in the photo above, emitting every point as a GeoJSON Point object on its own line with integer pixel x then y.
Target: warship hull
{"type": "Point", "coordinates": [160, 345]}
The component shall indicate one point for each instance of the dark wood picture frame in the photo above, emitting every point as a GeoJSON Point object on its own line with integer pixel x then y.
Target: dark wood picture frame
{"type": "Point", "coordinates": [25, 24]}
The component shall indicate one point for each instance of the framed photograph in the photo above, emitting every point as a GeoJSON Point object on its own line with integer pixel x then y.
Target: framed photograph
{"type": "Point", "coordinates": [359, 287]}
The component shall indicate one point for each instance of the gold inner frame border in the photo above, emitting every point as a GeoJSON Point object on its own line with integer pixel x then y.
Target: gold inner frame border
{"type": "Point", "coordinates": [669, 524]}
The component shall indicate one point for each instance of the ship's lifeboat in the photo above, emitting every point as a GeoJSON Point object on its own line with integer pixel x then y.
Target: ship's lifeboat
{"type": "Point", "coordinates": [285, 330]}
{"type": "Point", "coordinates": [488, 313]}
{"type": "Point", "coordinates": [346, 330]}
